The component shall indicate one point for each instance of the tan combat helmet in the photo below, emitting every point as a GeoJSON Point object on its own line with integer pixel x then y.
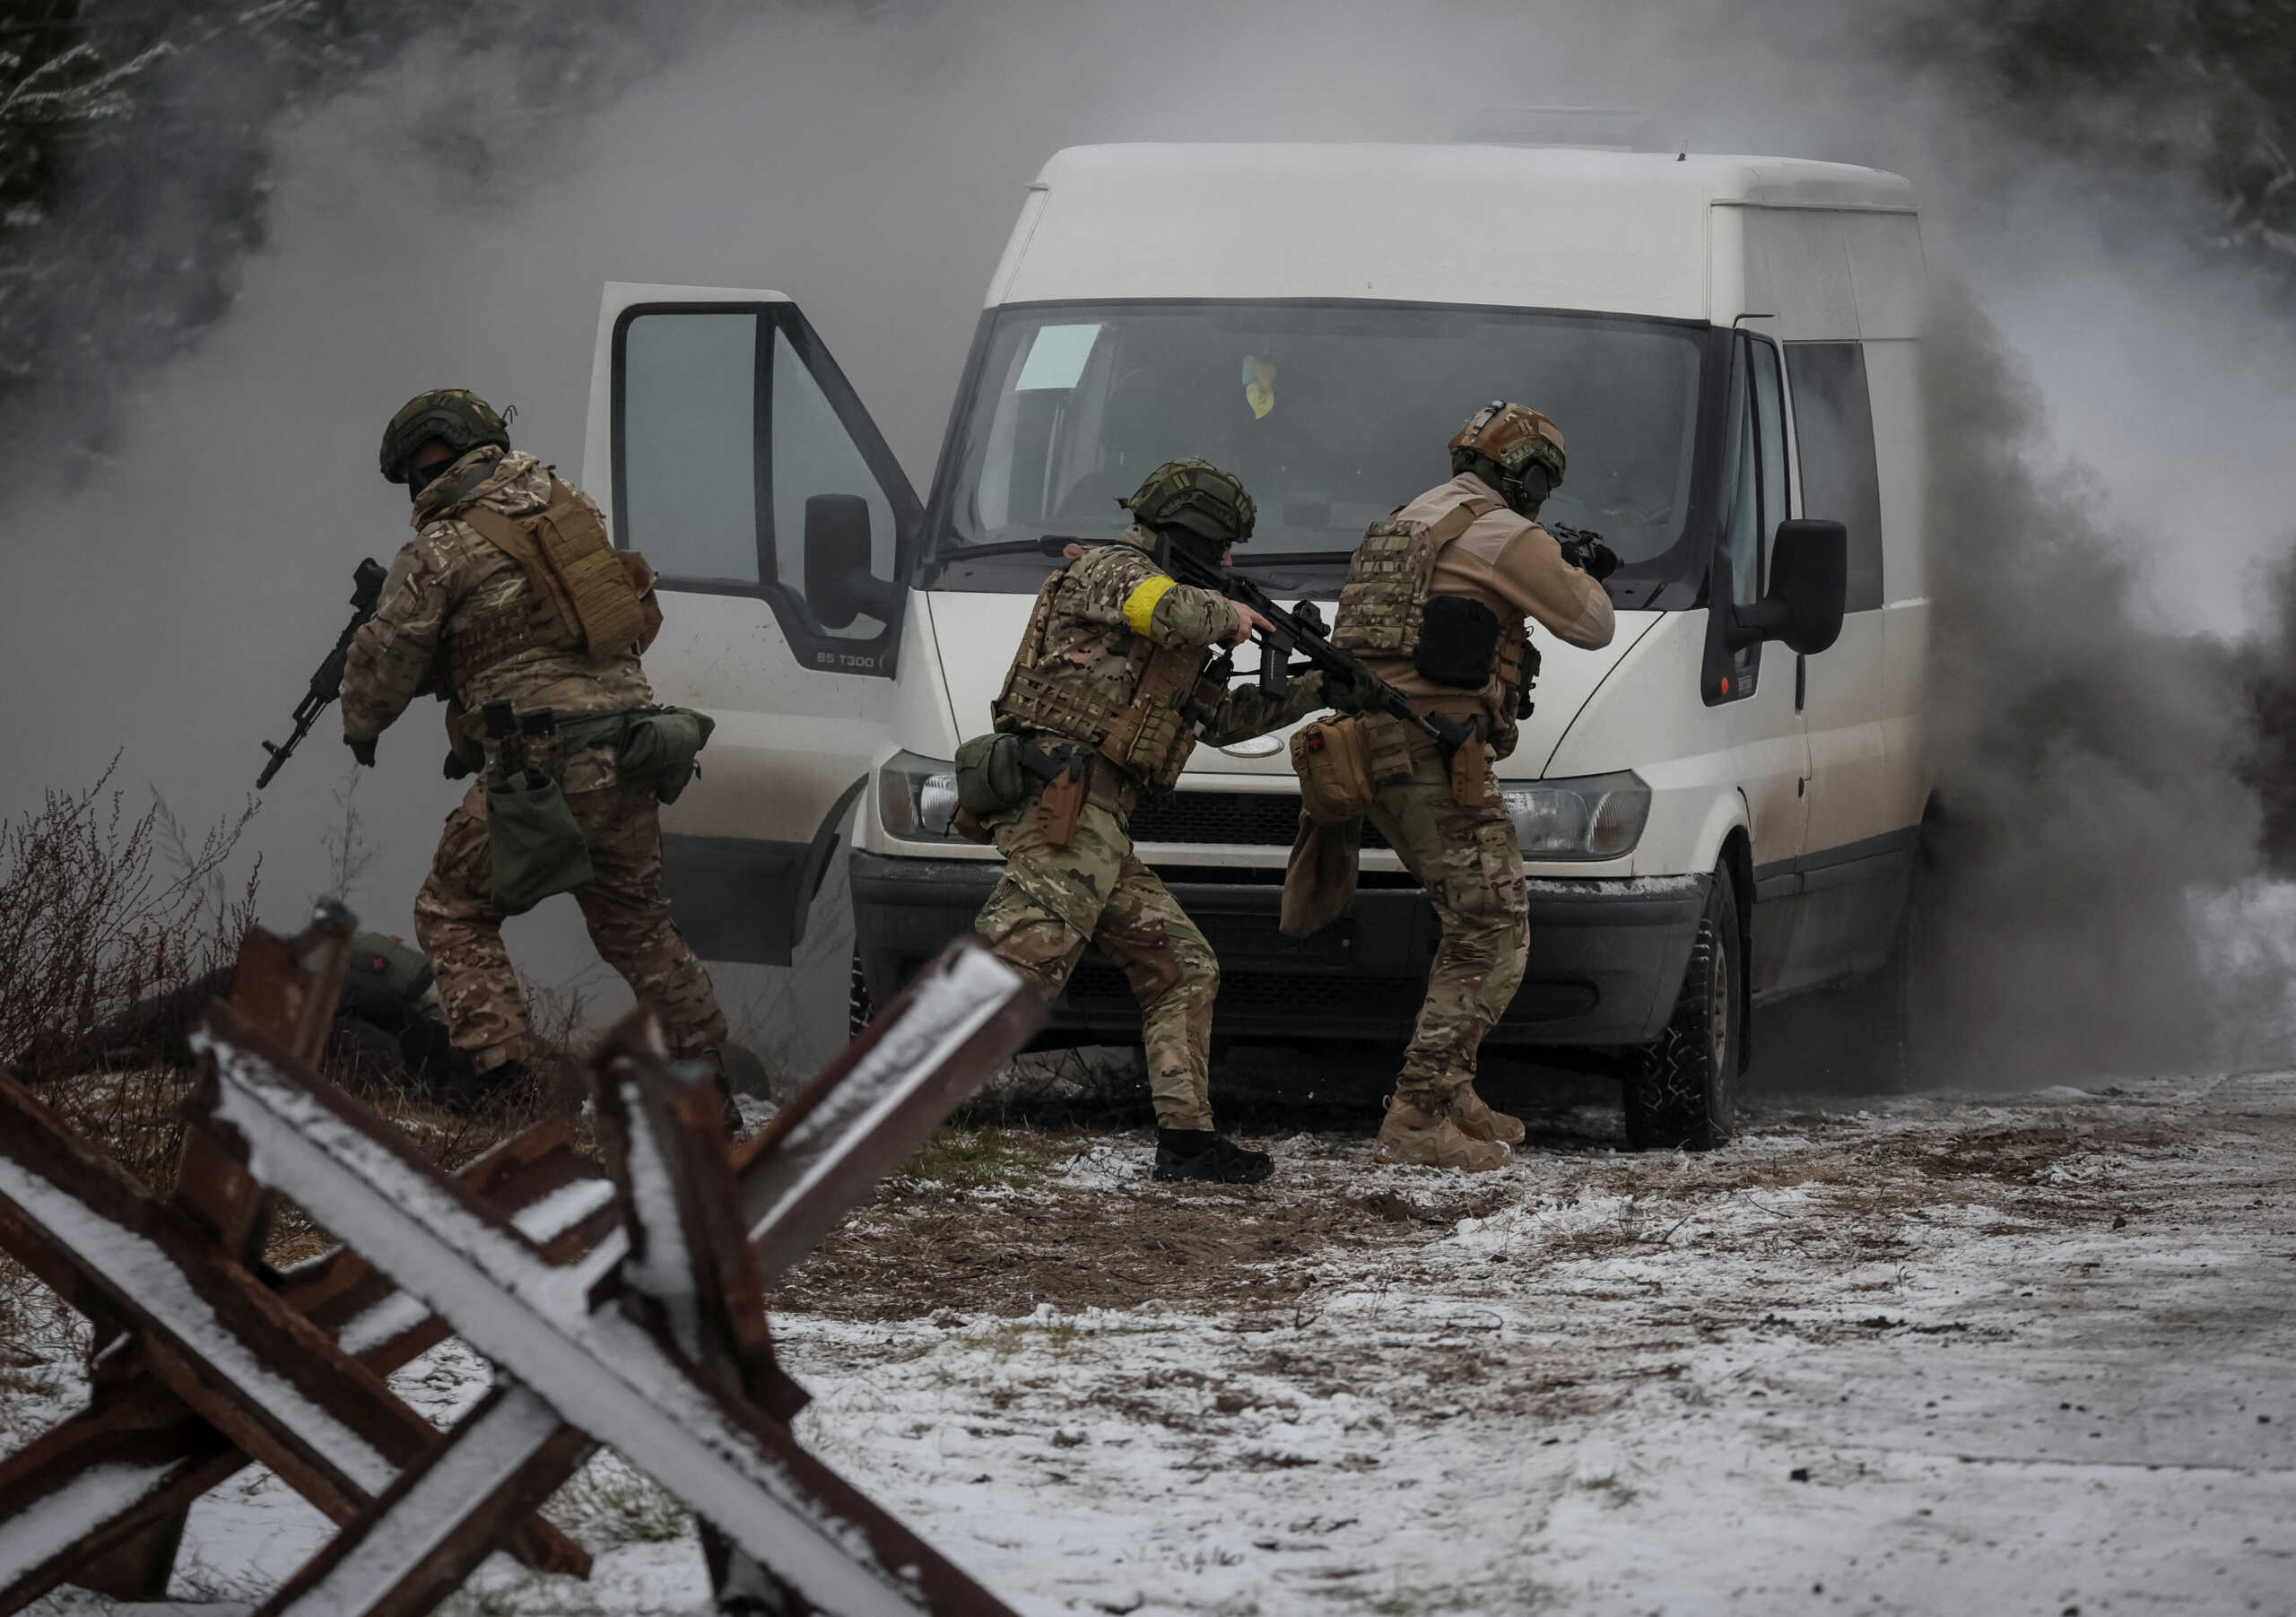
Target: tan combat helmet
{"type": "Point", "coordinates": [1197, 496]}
{"type": "Point", "coordinates": [456, 416]}
{"type": "Point", "coordinates": [1514, 448]}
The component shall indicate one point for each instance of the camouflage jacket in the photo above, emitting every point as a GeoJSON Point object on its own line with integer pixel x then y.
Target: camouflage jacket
{"type": "Point", "coordinates": [447, 573]}
{"type": "Point", "coordinates": [1114, 593]}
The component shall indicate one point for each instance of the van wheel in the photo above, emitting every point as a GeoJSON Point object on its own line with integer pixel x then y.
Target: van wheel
{"type": "Point", "coordinates": [858, 1011]}
{"type": "Point", "coordinates": [1682, 1091]}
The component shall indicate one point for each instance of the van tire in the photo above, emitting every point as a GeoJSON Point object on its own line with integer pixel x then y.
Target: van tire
{"type": "Point", "coordinates": [1682, 1090]}
{"type": "Point", "coordinates": [858, 1011]}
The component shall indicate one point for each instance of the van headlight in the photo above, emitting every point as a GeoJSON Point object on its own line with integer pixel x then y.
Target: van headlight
{"type": "Point", "coordinates": [916, 798]}
{"type": "Point", "coordinates": [1592, 817]}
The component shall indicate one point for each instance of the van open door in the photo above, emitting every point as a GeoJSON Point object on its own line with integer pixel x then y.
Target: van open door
{"type": "Point", "coordinates": [725, 443]}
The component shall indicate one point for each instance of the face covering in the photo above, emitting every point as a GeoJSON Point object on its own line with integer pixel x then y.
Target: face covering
{"type": "Point", "coordinates": [419, 478]}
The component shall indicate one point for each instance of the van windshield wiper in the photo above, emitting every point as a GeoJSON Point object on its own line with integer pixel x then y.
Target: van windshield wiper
{"type": "Point", "coordinates": [1296, 559]}
{"type": "Point", "coordinates": [1051, 544]}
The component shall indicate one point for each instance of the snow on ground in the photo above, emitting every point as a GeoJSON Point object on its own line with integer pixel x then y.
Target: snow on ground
{"type": "Point", "coordinates": [1939, 1355]}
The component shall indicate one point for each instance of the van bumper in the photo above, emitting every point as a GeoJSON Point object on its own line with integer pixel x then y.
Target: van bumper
{"type": "Point", "coordinates": [1607, 956]}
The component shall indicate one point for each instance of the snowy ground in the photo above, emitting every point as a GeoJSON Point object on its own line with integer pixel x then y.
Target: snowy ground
{"type": "Point", "coordinates": [1942, 1354]}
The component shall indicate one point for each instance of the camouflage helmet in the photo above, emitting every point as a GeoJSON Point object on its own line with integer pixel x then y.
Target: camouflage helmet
{"type": "Point", "coordinates": [1197, 496]}
{"type": "Point", "coordinates": [455, 416]}
{"type": "Point", "coordinates": [1501, 441]}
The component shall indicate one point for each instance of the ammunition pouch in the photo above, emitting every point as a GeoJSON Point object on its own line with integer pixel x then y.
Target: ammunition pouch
{"type": "Point", "coordinates": [1391, 749]}
{"type": "Point", "coordinates": [1458, 643]}
{"type": "Point", "coordinates": [535, 844]}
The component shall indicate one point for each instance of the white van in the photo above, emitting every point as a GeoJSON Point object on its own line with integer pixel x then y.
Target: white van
{"type": "Point", "coordinates": [1726, 342]}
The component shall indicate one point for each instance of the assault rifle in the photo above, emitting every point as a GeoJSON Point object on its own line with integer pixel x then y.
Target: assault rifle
{"type": "Point", "coordinates": [1584, 549]}
{"type": "Point", "coordinates": [326, 684]}
{"type": "Point", "coordinates": [1302, 629]}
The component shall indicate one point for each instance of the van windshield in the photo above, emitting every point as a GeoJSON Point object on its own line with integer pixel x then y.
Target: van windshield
{"type": "Point", "coordinates": [1333, 414]}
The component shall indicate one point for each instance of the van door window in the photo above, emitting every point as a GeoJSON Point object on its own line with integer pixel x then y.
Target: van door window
{"type": "Point", "coordinates": [1769, 435]}
{"type": "Point", "coordinates": [1741, 517]}
{"type": "Point", "coordinates": [727, 420]}
{"type": "Point", "coordinates": [1834, 418]}
{"type": "Point", "coordinates": [686, 481]}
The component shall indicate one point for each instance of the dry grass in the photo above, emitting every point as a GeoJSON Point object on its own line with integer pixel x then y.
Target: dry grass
{"type": "Point", "coordinates": [96, 912]}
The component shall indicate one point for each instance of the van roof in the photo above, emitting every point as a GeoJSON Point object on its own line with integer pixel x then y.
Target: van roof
{"type": "Point", "coordinates": [1535, 227]}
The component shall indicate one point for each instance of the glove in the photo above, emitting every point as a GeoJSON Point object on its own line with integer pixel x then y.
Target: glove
{"type": "Point", "coordinates": [362, 748]}
{"type": "Point", "coordinates": [1354, 691]}
{"type": "Point", "coordinates": [1586, 551]}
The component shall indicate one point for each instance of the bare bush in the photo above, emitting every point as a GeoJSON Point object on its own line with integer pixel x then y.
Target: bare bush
{"type": "Point", "coordinates": [99, 911]}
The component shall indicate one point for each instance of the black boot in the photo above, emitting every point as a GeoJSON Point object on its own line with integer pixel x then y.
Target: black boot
{"type": "Point", "coordinates": [1198, 1153]}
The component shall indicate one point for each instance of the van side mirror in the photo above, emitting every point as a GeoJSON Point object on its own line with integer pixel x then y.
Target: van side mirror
{"type": "Point", "coordinates": [1809, 589]}
{"type": "Point", "coordinates": [838, 586]}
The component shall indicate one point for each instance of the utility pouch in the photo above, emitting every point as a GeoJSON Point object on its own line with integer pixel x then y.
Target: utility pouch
{"type": "Point", "coordinates": [1063, 803]}
{"type": "Point", "coordinates": [989, 778]}
{"type": "Point", "coordinates": [534, 841]}
{"type": "Point", "coordinates": [1471, 772]}
{"type": "Point", "coordinates": [658, 749]}
{"type": "Point", "coordinates": [1388, 757]}
{"type": "Point", "coordinates": [1458, 643]}
{"type": "Point", "coordinates": [1334, 771]}
{"type": "Point", "coordinates": [1320, 877]}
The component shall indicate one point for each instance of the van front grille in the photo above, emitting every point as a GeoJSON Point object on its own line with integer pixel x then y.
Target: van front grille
{"type": "Point", "coordinates": [1236, 819]}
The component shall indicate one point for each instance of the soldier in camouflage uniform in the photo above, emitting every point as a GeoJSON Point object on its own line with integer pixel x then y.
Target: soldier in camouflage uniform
{"type": "Point", "coordinates": [1112, 669]}
{"type": "Point", "coordinates": [1436, 603]}
{"type": "Point", "coordinates": [469, 622]}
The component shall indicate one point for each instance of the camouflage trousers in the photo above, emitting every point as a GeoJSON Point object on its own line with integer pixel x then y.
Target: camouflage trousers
{"type": "Point", "coordinates": [623, 905]}
{"type": "Point", "coordinates": [1053, 902]}
{"type": "Point", "coordinates": [1472, 868]}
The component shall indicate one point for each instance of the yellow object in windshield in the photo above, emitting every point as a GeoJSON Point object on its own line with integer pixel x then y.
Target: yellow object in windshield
{"type": "Point", "coordinates": [1259, 386]}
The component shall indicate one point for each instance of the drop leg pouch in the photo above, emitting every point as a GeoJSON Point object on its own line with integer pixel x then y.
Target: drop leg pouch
{"type": "Point", "coordinates": [533, 840]}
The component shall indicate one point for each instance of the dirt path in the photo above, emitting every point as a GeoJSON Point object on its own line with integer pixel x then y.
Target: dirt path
{"type": "Point", "coordinates": [1935, 1355]}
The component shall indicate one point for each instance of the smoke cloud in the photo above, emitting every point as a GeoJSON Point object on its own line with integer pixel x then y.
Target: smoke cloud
{"type": "Point", "coordinates": [870, 163]}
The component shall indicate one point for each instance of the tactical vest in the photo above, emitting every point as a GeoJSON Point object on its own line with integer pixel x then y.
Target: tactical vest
{"type": "Point", "coordinates": [1147, 732]}
{"type": "Point", "coordinates": [582, 594]}
{"type": "Point", "coordinates": [1386, 604]}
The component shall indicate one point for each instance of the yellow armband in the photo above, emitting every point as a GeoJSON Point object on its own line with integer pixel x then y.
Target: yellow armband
{"type": "Point", "coordinates": [1140, 605]}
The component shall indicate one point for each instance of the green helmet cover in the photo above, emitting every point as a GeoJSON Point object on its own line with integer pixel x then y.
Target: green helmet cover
{"type": "Point", "coordinates": [1195, 495]}
{"type": "Point", "coordinates": [455, 416]}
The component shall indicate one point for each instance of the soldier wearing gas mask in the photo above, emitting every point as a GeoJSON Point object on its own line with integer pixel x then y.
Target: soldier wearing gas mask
{"type": "Point", "coordinates": [1438, 602]}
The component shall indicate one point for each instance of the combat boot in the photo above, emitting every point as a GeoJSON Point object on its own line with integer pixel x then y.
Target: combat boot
{"type": "Point", "coordinates": [1474, 1117]}
{"type": "Point", "coordinates": [1416, 1137]}
{"type": "Point", "coordinates": [1198, 1153]}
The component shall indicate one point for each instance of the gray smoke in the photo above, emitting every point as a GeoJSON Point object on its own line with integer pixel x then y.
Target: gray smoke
{"type": "Point", "coordinates": [870, 165]}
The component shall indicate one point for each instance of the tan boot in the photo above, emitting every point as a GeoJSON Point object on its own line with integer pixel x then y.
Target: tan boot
{"type": "Point", "coordinates": [1474, 1117]}
{"type": "Point", "coordinates": [1425, 1139]}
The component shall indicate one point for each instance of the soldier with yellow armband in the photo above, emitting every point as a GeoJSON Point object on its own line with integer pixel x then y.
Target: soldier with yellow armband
{"type": "Point", "coordinates": [1106, 699]}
